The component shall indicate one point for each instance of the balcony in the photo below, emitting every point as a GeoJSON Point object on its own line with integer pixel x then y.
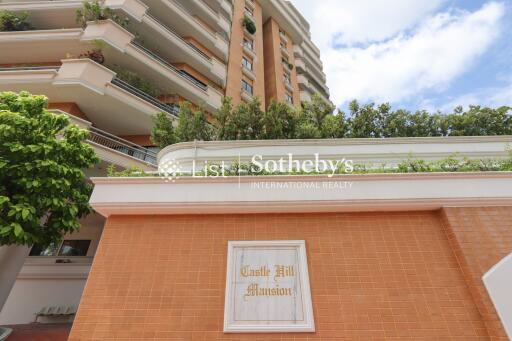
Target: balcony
{"type": "Point", "coordinates": [155, 34]}
{"type": "Point", "coordinates": [175, 15]}
{"type": "Point", "coordinates": [113, 149]}
{"type": "Point", "coordinates": [207, 14]}
{"type": "Point", "coordinates": [118, 48]}
{"type": "Point", "coordinates": [109, 103]}
{"type": "Point", "coordinates": [119, 145]}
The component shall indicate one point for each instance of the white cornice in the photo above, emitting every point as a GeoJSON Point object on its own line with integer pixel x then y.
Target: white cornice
{"type": "Point", "coordinates": [286, 194]}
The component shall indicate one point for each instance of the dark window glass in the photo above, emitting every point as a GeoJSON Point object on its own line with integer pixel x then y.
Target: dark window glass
{"type": "Point", "coordinates": [40, 250]}
{"type": "Point", "coordinates": [74, 248]}
{"type": "Point", "coordinates": [247, 87]}
{"type": "Point", "coordinates": [247, 63]}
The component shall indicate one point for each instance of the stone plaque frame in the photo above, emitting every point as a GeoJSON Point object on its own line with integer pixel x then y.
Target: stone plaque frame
{"type": "Point", "coordinates": [307, 324]}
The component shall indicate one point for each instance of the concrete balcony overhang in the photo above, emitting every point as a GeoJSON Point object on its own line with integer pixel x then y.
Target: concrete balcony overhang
{"type": "Point", "coordinates": [156, 35]}
{"type": "Point", "coordinates": [282, 14]}
{"type": "Point", "coordinates": [113, 149]}
{"type": "Point", "coordinates": [118, 50]}
{"type": "Point", "coordinates": [208, 14]}
{"type": "Point", "coordinates": [174, 15]}
{"type": "Point", "coordinates": [90, 86]}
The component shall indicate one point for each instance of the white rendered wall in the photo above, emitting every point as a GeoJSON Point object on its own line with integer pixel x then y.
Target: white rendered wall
{"type": "Point", "coordinates": [498, 282]}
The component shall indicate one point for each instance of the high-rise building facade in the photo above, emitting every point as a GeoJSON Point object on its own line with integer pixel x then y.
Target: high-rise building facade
{"type": "Point", "coordinates": [114, 70]}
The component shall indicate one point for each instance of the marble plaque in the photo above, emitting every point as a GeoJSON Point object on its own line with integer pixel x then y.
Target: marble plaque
{"type": "Point", "coordinates": [267, 288]}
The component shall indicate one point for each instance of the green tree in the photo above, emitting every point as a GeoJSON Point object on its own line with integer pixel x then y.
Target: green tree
{"type": "Point", "coordinates": [278, 122]}
{"type": "Point", "coordinates": [223, 119]}
{"type": "Point", "coordinates": [193, 125]}
{"type": "Point", "coordinates": [367, 120]}
{"type": "Point", "coordinates": [162, 134]}
{"type": "Point", "coordinates": [43, 190]}
{"type": "Point", "coordinates": [246, 123]}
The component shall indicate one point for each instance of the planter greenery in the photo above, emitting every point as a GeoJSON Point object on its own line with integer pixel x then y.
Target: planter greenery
{"type": "Point", "coordinates": [249, 25]}
{"type": "Point", "coordinates": [93, 11]}
{"type": "Point", "coordinates": [10, 21]}
{"type": "Point", "coordinates": [95, 55]}
{"type": "Point", "coordinates": [135, 80]}
{"type": "Point", "coordinates": [453, 164]}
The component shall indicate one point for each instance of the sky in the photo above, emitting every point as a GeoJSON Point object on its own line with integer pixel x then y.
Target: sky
{"type": "Point", "coordinates": [414, 54]}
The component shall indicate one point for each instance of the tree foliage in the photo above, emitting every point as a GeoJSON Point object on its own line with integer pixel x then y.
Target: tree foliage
{"type": "Point", "coordinates": [318, 119]}
{"type": "Point", "coordinates": [43, 190]}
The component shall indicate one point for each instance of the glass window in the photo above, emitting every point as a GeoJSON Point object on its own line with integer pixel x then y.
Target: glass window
{"type": "Point", "coordinates": [287, 78]}
{"type": "Point", "coordinates": [249, 11]}
{"type": "Point", "coordinates": [74, 248]}
{"type": "Point", "coordinates": [66, 248]}
{"type": "Point", "coordinates": [289, 98]}
{"type": "Point", "coordinates": [48, 251]}
{"type": "Point", "coordinates": [247, 63]}
{"type": "Point", "coordinates": [246, 87]}
{"type": "Point", "coordinates": [249, 43]}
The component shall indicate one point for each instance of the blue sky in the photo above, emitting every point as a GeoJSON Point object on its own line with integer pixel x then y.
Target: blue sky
{"type": "Point", "coordinates": [417, 54]}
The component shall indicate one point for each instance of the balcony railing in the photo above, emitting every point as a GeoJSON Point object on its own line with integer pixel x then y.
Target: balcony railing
{"type": "Point", "coordinates": [168, 108]}
{"type": "Point", "coordinates": [123, 146]}
{"type": "Point", "coordinates": [28, 68]}
{"type": "Point", "coordinates": [189, 78]}
{"type": "Point", "coordinates": [201, 53]}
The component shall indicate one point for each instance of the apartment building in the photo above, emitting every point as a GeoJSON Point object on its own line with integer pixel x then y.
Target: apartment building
{"type": "Point", "coordinates": [113, 74]}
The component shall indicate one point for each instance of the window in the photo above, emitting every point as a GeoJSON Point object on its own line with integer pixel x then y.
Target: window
{"type": "Point", "coordinates": [249, 43]}
{"type": "Point", "coordinates": [247, 87]}
{"type": "Point", "coordinates": [282, 32]}
{"type": "Point", "coordinates": [247, 63]}
{"type": "Point", "coordinates": [74, 248]}
{"type": "Point", "coordinates": [48, 251]}
{"type": "Point", "coordinates": [249, 11]}
{"type": "Point", "coordinates": [68, 248]}
{"type": "Point", "coordinates": [283, 45]}
{"type": "Point", "coordinates": [287, 78]}
{"type": "Point", "coordinates": [289, 98]}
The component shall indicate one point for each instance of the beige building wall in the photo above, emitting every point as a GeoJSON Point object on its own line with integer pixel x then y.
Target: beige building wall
{"type": "Point", "coordinates": [274, 41]}
{"type": "Point", "coordinates": [236, 52]}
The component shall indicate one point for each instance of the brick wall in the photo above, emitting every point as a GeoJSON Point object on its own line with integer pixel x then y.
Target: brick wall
{"type": "Point", "coordinates": [480, 238]}
{"type": "Point", "coordinates": [373, 276]}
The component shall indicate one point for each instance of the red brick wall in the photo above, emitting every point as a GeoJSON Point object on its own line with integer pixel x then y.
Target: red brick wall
{"type": "Point", "coordinates": [480, 237]}
{"type": "Point", "coordinates": [373, 276]}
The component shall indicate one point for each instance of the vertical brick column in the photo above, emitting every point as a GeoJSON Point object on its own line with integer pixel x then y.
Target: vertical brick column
{"type": "Point", "coordinates": [480, 238]}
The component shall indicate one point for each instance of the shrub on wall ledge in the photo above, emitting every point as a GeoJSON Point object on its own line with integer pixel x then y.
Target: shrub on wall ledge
{"type": "Point", "coordinates": [249, 25]}
{"type": "Point", "coordinates": [93, 11]}
{"type": "Point", "coordinates": [14, 22]}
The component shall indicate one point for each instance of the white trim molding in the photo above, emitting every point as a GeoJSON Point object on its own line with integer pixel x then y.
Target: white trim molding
{"type": "Point", "coordinates": [287, 194]}
{"type": "Point", "coordinates": [267, 288]}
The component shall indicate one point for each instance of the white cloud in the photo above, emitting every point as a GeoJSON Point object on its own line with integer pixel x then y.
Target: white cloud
{"type": "Point", "coordinates": [410, 48]}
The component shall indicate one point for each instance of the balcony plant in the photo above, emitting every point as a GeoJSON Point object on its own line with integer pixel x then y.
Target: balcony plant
{"type": "Point", "coordinates": [95, 55]}
{"type": "Point", "coordinates": [93, 11]}
{"type": "Point", "coordinates": [10, 21]}
{"type": "Point", "coordinates": [135, 80]}
{"type": "Point", "coordinates": [249, 25]}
